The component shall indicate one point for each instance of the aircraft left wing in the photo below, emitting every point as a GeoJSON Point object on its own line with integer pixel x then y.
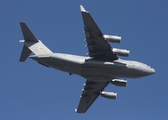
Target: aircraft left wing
{"type": "Point", "coordinates": [97, 46]}
{"type": "Point", "coordinates": [90, 93]}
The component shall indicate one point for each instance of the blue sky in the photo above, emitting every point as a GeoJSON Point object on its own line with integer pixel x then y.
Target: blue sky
{"type": "Point", "coordinates": [29, 91]}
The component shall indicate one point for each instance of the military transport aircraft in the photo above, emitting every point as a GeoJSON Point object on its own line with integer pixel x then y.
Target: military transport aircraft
{"type": "Point", "coordinates": [103, 66]}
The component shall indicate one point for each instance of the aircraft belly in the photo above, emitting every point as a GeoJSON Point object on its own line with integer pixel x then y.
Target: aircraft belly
{"type": "Point", "coordinates": [61, 64]}
{"type": "Point", "coordinates": [54, 63]}
{"type": "Point", "coordinates": [89, 70]}
{"type": "Point", "coordinates": [107, 72]}
{"type": "Point", "coordinates": [73, 68]}
{"type": "Point", "coordinates": [102, 72]}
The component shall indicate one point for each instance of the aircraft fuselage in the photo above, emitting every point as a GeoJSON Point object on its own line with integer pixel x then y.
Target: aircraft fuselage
{"type": "Point", "coordinates": [94, 69]}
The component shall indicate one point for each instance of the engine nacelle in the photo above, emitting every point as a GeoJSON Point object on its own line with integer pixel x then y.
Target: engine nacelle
{"type": "Point", "coordinates": [109, 95]}
{"type": "Point", "coordinates": [121, 83]}
{"type": "Point", "coordinates": [121, 52]}
{"type": "Point", "coordinates": [110, 38]}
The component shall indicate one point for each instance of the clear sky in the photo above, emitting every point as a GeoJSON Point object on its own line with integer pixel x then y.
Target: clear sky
{"type": "Point", "coordinates": [29, 91]}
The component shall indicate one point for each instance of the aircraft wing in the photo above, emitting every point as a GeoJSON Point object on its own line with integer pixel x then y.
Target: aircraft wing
{"type": "Point", "coordinates": [90, 93]}
{"type": "Point", "coordinates": [97, 46]}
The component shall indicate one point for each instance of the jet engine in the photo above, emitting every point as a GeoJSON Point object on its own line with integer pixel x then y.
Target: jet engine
{"type": "Point", "coordinates": [117, 82]}
{"type": "Point", "coordinates": [109, 95]}
{"type": "Point", "coordinates": [121, 52]}
{"type": "Point", "coordinates": [110, 38]}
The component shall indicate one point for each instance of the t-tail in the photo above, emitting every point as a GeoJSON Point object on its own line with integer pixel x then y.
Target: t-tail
{"type": "Point", "coordinates": [31, 44]}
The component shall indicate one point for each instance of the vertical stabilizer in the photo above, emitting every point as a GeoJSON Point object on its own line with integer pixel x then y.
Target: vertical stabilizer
{"type": "Point", "coordinates": [31, 44]}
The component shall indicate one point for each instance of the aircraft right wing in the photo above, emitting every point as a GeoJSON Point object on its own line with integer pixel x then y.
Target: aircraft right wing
{"type": "Point", "coordinates": [97, 46]}
{"type": "Point", "coordinates": [90, 93]}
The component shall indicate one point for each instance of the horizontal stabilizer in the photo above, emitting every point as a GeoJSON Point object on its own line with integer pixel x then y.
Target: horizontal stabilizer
{"type": "Point", "coordinates": [27, 34]}
{"type": "Point", "coordinates": [25, 53]}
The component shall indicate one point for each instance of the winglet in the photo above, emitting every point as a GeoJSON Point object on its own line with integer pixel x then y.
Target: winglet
{"type": "Point", "coordinates": [82, 9]}
{"type": "Point", "coordinates": [76, 110]}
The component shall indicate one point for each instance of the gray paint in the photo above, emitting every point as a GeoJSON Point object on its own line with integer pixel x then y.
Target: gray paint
{"type": "Point", "coordinates": [91, 69]}
{"type": "Point", "coordinates": [101, 67]}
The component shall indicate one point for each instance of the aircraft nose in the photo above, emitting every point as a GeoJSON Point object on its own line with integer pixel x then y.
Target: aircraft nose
{"type": "Point", "coordinates": [152, 71]}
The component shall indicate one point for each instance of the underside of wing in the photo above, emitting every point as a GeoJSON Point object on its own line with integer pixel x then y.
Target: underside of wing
{"type": "Point", "coordinates": [91, 91]}
{"type": "Point", "coordinates": [98, 47]}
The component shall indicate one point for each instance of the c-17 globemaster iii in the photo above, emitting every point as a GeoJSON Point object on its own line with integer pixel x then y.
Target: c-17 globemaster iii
{"type": "Point", "coordinates": [103, 66]}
